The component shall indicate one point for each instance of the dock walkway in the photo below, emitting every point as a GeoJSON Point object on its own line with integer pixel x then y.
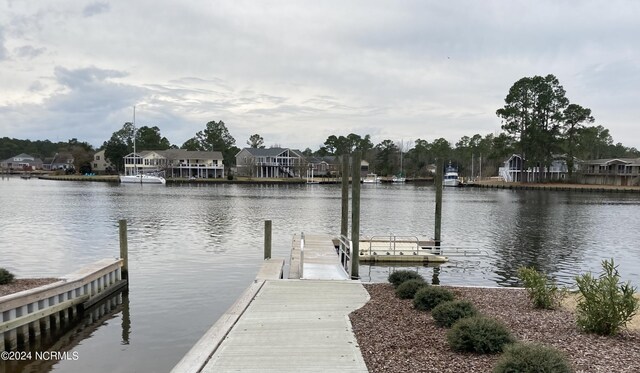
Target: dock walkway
{"type": "Point", "coordinates": [287, 325]}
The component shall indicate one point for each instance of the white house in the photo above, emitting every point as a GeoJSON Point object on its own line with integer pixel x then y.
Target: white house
{"type": "Point", "coordinates": [512, 169]}
{"type": "Point", "coordinates": [270, 163]}
{"type": "Point", "coordinates": [176, 163]}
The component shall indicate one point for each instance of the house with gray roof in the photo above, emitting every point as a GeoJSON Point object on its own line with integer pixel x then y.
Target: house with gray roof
{"type": "Point", "coordinates": [270, 163]}
{"type": "Point", "coordinates": [175, 163]}
{"type": "Point", "coordinates": [611, 171]}
{"type": "Point", "coordinates": [22, 162]}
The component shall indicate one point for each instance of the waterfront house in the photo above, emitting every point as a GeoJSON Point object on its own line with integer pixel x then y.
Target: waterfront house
{"type": "Point", "coordinates": [326, 166]}
{"type": "Point", "coordinates": [512, 169]}
{"type": "Point", "coordinates": [21, 162]}
{"type": "Point", "coordinates": [270, 162]}
{"type": "Point", "coordinates": [611, 171]}
{"type": "Point", "coordinates": [101, 164]}
{"type": "Point", "coordinates": [176, 163]}
{"type": "Point", "coordinates": [60, 161]}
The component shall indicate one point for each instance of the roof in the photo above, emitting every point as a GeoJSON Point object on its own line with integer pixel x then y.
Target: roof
{"type": "Point", "coordinates": [181, 153]}
{"type": "Point", "coordinates": [269, 152]}
{"type": "Point", "coordinates": [609, 161]}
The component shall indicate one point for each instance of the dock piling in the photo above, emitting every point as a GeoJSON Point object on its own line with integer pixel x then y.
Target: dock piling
{"type": "Point", "coordinates": [267, 239]}
{"type": "Point", "coordinates": [438, 220]}
{"type": "Point", "coordinates": [344, 223]}
{"type": "Point", "coordinates": [124, 249]}
{"type": "Point", "coordinates": [355, 215]}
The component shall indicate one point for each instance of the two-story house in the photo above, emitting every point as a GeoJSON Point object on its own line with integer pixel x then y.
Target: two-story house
{"type": "Point", "coordinates": [611, 171]}
{"type": "Point", "coordinates": [176, 163]}
{"type": "Point", "coordinates": [22, 162]}
{"type": "Point", "coordinates": [270, 163]}
{"type": "Point", "coordinates": [512, 169]}
{"type": "Point", "coordinates": [101, 164]}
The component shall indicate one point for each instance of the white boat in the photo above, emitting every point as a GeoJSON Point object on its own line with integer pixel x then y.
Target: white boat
{"type": "Point", "coordinates": [142, 179]}
{"type": "Point", "coordinates": [399, 179]}
{"type": "Point", "coordinates": [371, 179]}
{"type": "Point", "coordinates": [137, 177]}
{"type": "Point", "coordinates": [451, 177]}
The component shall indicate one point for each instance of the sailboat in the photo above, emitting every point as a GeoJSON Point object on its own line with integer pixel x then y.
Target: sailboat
{"type": "Point", "coordinates": [137, 177]}
{"type": "Point", "coordinates": [400, 177]}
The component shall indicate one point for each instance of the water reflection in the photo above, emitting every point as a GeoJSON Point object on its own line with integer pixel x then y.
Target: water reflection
{"type": "Point", "coordinates": [202, 245]}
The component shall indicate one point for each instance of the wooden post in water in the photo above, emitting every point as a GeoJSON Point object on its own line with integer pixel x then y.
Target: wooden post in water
{"type": "Point", "coordinates": [438, 185]}
{"type": "Point", "coordinates": [267, 239]}
{"type": "Point", "coordinates": [124, 249]}
{"type": "Point", "coordinates": [344, 226]}
{"type": "Point", "coordinates": [355, 215]}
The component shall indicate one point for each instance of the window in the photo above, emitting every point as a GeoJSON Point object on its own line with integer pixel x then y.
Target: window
{"type": "Point", "coordinates": [97, 157]}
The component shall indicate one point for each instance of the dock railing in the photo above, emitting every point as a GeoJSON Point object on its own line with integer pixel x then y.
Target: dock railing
{"type": "Point", "coordinates": [392, 244]}
{"type": "Point", "coordinates": [301, 254]}
{"type": "Point", "coordinates": [345, 251]}
{"type": "Point", "coordinates": [29, 313]}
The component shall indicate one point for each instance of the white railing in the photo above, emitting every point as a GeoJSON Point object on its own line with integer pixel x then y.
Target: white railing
{"type": "Point", "coordinates": [345, 251]}
{"type": "Point", "coordinates": [301, 254]}
{"type": "Point", "coordinates": [28, 311]}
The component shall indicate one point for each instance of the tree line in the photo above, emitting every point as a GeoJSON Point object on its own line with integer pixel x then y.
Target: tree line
{"type": "Point", "coordinates": [538, 122]}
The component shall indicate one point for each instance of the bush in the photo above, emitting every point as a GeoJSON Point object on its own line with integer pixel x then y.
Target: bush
{"type": "Point", "coordinates": [605, 305]}
{"type": "Point", "coordinates": [398, 277]}
{"type": "Point", "coordinates": [447, 313]}
{"type": "Point", "coordinates": [6, 277]}
{"type": "Point", "coordinates": [531, 358]}
{"type": "Point", "coordinates": [543, 292]}
{"type": "Point", "coordinates": [478, 334]}
{"type": "Point", "coordinates": [428, 297]}
{"type": "Point", "coordinates": [408, 289]}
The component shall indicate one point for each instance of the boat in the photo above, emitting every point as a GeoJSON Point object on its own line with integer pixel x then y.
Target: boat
{"type": "Point", "coordinates": [399, 179]}
{"type": "Point", "coordinates": [138, 177]}
{"type": "Point", "coordinates": [451, 177]}
{"type": "Point", "coordinates": [25, 176]}
{"type": "Point", "coordinates": [371, 179]}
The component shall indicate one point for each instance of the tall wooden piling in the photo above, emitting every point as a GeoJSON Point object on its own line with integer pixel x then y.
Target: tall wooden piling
{"type": "Point", "coordinates": [267, 239]}
{"type": "Point", "coordinates": [438, 184]}
{"type": "Point", "coordinates": [124, 249]}
{"type": "Point", "coordinates": [355, 214]}
{"type": "Point", "coordinates": [344, 223]}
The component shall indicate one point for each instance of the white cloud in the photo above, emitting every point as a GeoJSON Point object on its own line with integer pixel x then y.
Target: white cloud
{"type": "Point", "coordinates": [296, 72]}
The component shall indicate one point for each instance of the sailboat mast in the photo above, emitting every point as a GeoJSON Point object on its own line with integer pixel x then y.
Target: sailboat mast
{"type": "Point", "coordinates": [135, 159]}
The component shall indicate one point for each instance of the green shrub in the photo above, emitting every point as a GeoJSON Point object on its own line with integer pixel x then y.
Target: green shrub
{"type": "Point", "coordinates": [605, 305]}
{"type": "Point", "coordinates": [447, 313]}
{"type": "Point", "coordinates": [478, 334]}
{"type": "Point", "coordinates": [428, 297]}
{"type": "Point", "coordinates": [398, 277]}
{"type": "Point", "coordinates": [531, 358]}
{"type": "Point", "coordinates": [6, 277]}
{"type": "Point", "coordinates": [408, 289]}
{"type": "Point", "coordinates": [542, 291]}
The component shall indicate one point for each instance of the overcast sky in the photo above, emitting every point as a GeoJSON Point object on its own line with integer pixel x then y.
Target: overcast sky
{"type": "Point", "coordinates": [296, 72]}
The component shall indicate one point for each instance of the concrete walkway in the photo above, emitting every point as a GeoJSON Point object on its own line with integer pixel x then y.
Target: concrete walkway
{"type": "Point", "coordinates": [295, 326]}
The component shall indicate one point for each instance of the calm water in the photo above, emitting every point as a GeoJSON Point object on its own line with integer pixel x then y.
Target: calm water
{"type": "Point", "coordinates": [194, 249]}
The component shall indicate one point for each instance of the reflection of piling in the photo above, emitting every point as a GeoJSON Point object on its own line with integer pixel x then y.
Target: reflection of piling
{"type": "Point", "coordinates": [355, 215]}
{"type": "Point", "coordinates": [124, 249]}
{"type": "Point", "coordinates": [438, 221]}
{"type": "Point", "coordinates": [267, 239]}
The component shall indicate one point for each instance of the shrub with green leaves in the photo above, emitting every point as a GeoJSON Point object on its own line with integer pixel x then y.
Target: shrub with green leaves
{"type": "Point", "coordinates": [605, 304]}
{"type": "Point", "coordinates": [532, 358]}
{"type": "Point", "coordinates": [408, 289]}
{"type": "Point", "coordinates": [447, 313]}
{"type": "Point", "coordinates": [5, 276]}
{"type": "Point", "coordinates": [479, 334]}
{"type": "Point", "coordinates": [543, 292]}
{"type": "Point", "coordinates": [428, 297]}
{"type": "Point", "coordinates": [398, 277]}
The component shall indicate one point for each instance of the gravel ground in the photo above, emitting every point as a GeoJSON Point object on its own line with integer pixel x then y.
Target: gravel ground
{"type": "Point", "coordinates": [24, 284]}
{"type": "Point", "coordinates": [394, 337]}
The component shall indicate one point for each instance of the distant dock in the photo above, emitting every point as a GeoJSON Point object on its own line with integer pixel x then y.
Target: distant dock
{"type": "Point", "coordinates": [555, 187]}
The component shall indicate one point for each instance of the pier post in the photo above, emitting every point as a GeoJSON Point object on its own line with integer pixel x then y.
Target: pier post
{"type": "Point", "coordinates": [344, 226]}
{"type": "Point", "coordinates": [124, 249]}
{"type": "Point", "coordinates": [438, 220]}
{"type": "Point", "coordinates": [267, 239]}
{"type": "Point", "coordinates": [355, 215]}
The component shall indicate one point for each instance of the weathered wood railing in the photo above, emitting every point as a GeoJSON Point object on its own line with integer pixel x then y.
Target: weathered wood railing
{"type": "Point", "coordinates": [29, 313]}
